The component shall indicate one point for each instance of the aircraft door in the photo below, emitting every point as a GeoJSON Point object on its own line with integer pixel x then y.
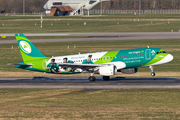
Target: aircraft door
{"type": "Point", "coordinates": [148, 54]}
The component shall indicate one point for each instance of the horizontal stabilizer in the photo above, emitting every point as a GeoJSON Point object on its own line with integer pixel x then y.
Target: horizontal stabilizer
{"type": "Point", "coordinates": [24, 65]}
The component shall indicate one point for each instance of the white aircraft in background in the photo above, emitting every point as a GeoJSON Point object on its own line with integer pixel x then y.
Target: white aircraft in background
{"type": "Point", "coordinates": [76, 5]}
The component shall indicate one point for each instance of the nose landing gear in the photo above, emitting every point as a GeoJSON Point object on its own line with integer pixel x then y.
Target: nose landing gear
{"type": "Point", "coordinates": [152, 74]}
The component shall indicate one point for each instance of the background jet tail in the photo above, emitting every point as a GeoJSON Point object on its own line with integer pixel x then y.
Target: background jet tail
{"type": "Point", "coordinates": [28, 51]}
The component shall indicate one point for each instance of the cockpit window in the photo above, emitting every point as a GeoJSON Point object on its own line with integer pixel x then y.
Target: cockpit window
{"type": "Point", "coordinates": [160, 52]}
{"type": "Point", "coordinates": [163, 51]}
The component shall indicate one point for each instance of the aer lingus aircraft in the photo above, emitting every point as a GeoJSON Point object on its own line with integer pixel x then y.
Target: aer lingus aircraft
{"type": "Point", "coordinates": [104, 63]}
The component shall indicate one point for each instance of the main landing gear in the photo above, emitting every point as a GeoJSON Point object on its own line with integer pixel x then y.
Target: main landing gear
{"type": "Point", "coordinates": [152, 74]}
{"type": "Point", "coordinates": [92, 78]}
{"type": "Point", "coordinates": [106, 78]}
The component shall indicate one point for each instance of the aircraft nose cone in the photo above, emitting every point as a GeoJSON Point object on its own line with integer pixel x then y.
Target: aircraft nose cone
{"type": "Point", "coordinates": [169, 58]}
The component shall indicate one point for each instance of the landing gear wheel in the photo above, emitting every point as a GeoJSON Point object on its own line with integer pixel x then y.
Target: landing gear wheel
{"type": "Point", "coordinates": [92, 78]}
{"type": "Point", "coordinates": [106, 78]}
{"type": "Point", "coordinates": [153, 74]}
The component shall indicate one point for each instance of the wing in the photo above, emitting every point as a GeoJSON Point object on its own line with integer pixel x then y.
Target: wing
{"type": "Point", "coordinates": [82, 66]}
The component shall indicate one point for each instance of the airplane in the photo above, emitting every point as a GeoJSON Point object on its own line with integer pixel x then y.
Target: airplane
{"type": "Point", "coordinates": [75, 5]}
{"type": "Point", "coordinates": [104, 63]}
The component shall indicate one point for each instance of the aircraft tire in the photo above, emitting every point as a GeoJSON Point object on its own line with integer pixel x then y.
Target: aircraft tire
{"type": "Point", "coordinates": [153, 74]}
{"type": "Point", "coordinates": [106, 78]}
{"type": "Point", "coordinates": [92, 78]}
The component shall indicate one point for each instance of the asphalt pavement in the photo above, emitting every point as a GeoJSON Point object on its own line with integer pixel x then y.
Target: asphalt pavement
{"type": "Point", "coordinates": [83, 83]}
{"type": "Point", "coordinates": [97, 36]}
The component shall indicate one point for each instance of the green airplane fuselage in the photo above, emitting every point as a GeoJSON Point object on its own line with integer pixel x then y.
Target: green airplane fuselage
{"type": "Point", "coordinates": [133, 58]}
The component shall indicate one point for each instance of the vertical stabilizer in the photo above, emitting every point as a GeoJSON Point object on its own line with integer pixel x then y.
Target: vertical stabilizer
{"type": "Point", "coordinates": [28, 51]}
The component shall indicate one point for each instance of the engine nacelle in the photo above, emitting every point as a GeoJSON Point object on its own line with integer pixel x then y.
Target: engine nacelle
{"type": "Point", "coordinates": [129, 70]}
{"type": "Point", "coordinates": [108, 70]}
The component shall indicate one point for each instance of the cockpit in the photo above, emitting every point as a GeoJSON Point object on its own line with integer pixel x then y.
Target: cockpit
{"type": "Point", "coordinates": [160, 52]}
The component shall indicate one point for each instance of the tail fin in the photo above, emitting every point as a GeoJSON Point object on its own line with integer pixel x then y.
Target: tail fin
{"type": "Point", "coordinates": [28, 51]}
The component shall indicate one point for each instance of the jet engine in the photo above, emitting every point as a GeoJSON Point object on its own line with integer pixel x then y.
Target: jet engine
{"type": "Point", "coordinates": [108, 70]}
{"type": "Point", "coordinates": [129, 70]}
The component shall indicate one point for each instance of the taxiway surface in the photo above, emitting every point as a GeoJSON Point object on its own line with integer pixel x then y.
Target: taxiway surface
{"type": "Point", "coordinates": [77, 83]}
{"type": "Point", "coordinates": [98, 36]}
